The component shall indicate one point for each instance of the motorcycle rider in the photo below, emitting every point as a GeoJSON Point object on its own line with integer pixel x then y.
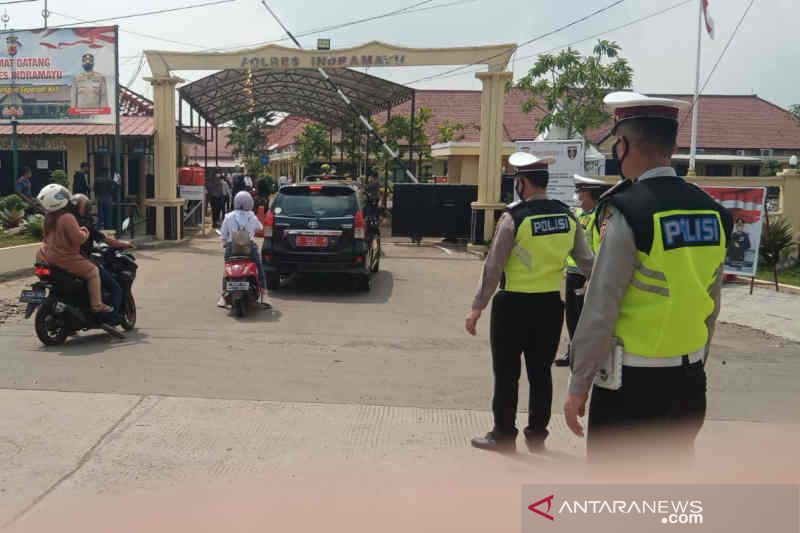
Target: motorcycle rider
{"type": "Point", "coordinates": [82, 207]}
{"type": "Point", "coordinates": [63, 238]}
{"type": "Point", "coordinates": [242, 219]}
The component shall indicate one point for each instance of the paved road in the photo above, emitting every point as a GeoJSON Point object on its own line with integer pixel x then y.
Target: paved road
{"type": "Point", "coordinates": [380, 380]}
{"type": "Point", "coordinates": [402, 344]}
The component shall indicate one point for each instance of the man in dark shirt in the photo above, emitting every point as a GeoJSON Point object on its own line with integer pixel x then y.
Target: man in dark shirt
{"type": "Point", "coordinates": [23, 187]}
{"type": "Point", "coordinates": [740, 243]}
{"type": "Point", "coordinates": [80, 181]}
{"type": "Point", "coordinates": [82, 207]}
{"type": "Point", "coordinates": [104, 194]}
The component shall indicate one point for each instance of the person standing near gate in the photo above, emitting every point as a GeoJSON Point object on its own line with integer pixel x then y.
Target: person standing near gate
{"type": "Point", "coordinates": [653, 299]}
{"type": "Point", "coordinates": [104, 195]}
{"type": "Point", "coordinates": [532, 240]}
{"type": "Point", "coordinates": [589, 191]}
{"type": "Point", "coordinates": [80, 180]}
{"type": "Point", "coordinates": [215, 198]}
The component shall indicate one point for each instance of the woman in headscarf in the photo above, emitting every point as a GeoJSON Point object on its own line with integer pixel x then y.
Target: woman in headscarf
{"type": "Point", "coordinates": [242, 219]}
{"type": "Point", "coordinates": [63, 238]}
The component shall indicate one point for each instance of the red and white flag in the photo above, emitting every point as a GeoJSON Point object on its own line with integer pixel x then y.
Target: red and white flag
{"type": "Point", "coordinates": [708, 20]}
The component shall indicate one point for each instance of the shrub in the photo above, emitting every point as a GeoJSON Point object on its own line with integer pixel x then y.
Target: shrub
{"type": "Point", "coordinates": [60, 177]}
{"type": "Point", "coordinates": [776, 242]}
{"type": "Point", "coordinates": [35, 226]}
{"type": "Point", "coordinates": [12, 202]}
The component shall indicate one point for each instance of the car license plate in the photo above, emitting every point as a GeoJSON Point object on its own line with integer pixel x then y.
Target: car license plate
{"type": "Point", "coordinates": [312, 241]}
{"type": "Point", "coordinates": [237, 286]}
{"type": "Point", "coordinates": [32, 297]}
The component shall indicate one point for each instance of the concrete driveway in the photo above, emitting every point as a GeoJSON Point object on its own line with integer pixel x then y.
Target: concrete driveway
{"type": "Point", "coordinates": [328, 380]}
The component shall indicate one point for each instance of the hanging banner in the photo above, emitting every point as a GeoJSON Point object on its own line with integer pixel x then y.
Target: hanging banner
{"type": "Point", "coordinates": [746, 205]}
{"type": "Point", "coordinates": [59, 75]}
{"type": "Point", "coordinates": [568, 157]}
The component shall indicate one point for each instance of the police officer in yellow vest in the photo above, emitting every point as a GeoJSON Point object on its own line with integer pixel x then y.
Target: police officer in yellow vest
{"type": "Point", "coordinates": [532, 240]}
{"type": "Point", "coordinates": [588, 192]}
{"type": "Point", "coordinates": [653, 297]}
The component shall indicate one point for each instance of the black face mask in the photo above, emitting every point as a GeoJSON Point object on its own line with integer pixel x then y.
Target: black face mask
{"type": "Point", "coordinates": [618, 159]}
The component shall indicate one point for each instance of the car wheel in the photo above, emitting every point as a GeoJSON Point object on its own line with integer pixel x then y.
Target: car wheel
{"type": "Point", "coordinates": [363, 283]}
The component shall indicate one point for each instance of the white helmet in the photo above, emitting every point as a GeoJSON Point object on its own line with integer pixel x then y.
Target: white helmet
{"type": "Point", "coordinates": [53, 197]}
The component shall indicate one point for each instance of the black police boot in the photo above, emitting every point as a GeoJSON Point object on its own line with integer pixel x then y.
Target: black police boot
{"type": "Point", "coordinates": [564, 359]}
{"type": "Point", "coordinates": [496, 442]}
{"type": "Point", "coordinates": [535, 440]}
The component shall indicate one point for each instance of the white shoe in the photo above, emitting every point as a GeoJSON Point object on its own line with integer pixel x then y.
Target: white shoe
{"type": "Point", "coordinates": [221, 303]}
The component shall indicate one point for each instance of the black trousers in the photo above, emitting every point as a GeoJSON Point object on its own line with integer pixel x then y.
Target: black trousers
{"type": "Point", "coordinates": [657, 413]}
{"type": "Point", "coordinates": [528, 324]}
{"type": "Point", "coordinates": [217, 206]}
{"type": "Point", "coordinates": [573, 303]}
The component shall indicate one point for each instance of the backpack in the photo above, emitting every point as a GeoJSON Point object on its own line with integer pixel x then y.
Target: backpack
{"type": "Point", "coordinates": [240, 241]}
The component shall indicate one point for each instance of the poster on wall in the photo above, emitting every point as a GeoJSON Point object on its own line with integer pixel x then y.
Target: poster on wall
{"type": "Point", "coordinates": [568, 155]}
{"type": "Point", "coordinates": [746, 205]}
{"type": "Point", "coordinates": [59, 75]}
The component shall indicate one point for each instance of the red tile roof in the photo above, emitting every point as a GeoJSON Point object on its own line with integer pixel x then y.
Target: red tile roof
{"type": "Point", "coordinates": [731, 122]}
{"type": "Point", "coordinates": [129, 127]}
{"type": "Point", "coordinates": [445, 105]}
{"type": "Point", "coordinates": [197, 152]}
{"type": "Point", "coordinates": [287, 130]}
{"type": "Point", "coordinates": [725, 121]}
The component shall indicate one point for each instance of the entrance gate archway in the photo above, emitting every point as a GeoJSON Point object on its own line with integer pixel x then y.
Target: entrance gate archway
{"type": "Point", "coordinates": [165, 207]}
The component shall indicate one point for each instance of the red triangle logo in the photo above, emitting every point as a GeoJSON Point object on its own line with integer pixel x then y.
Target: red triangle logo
{"type": "Point", "coordinates": [546, 514]}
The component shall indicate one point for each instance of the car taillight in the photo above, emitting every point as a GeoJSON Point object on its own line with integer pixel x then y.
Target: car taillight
{"type": "Point", "coordinates": [269, 224]}
{"type": "Point", "coordinates": [315, 187]}
{"type": "Point", "coordinates": [359, 226]}
{"type": "Point", "coordinates": [42, 272]}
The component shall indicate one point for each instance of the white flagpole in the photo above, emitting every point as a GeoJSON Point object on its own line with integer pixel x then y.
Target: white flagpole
{"type": "Point", "coordinates": [695, 102]}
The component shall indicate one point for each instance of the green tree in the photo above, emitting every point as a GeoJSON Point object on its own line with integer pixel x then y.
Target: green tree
{"type": "Point", "coordinates": [248, 140]}
{"type": "Point", "coordinates": [398, 128]}
{"type": "Point", "coordinates": [569, 88]}
{"type": "Point", "coordinates": [795, 111]}
{"type": "Point", "coordinates": [770, 167]}
{"type": "Point", "coordinates": [313, 143]}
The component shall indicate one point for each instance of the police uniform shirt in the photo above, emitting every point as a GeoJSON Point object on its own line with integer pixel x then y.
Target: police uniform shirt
{"type": "Point", "coordinates": [89, 90]}
{"type": "Point", "coordinates": [503, 245]}
{"type": "Point", "coordinates": [611, 276]}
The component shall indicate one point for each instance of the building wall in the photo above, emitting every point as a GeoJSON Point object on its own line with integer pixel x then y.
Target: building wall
{"type": "Point", "coordinates": [469, 170]}
{"type": "Point", "coordinates": [76, 154]}
{"type": "Point", "coordinates": [454, 169]}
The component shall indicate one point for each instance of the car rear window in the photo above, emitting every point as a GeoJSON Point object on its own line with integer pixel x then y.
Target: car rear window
{"type": "Point", "coordinates": [325, 202]}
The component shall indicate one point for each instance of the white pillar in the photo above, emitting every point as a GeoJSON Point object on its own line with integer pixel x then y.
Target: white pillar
{"type": "Point", "coordinates": [167, 205]}
{"type": "Point", "coordinates": [490, 160]}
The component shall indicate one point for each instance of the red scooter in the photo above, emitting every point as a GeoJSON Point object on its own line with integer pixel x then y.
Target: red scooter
{"type": "Point", "coordinates": [240, 285]}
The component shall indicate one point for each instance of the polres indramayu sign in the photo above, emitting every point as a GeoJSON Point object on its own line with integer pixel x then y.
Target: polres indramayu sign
{"type": "Point", "coordinates": [323, 60]}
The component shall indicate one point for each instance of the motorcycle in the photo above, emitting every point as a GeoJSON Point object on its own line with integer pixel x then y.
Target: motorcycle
{"type": "Point", "coordinates": [61, 300]}
{"type": "Point", "coordinates": [240, 284]}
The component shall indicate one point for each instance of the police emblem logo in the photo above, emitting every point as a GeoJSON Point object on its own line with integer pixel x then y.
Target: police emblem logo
{"type": "Point", "coordinates": [549, 225]}
{"type": "Point", "coordinates": [12, 45]}
{"type": "Point", "coordinates": [572, 152]}
{"type": "Point", "coordinates": [697, 229]}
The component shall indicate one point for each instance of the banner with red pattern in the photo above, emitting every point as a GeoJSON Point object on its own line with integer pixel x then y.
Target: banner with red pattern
{"type": "Point", "coordinates": [59, 75]}
{"type": "Point", "coordinates": [746, 205]}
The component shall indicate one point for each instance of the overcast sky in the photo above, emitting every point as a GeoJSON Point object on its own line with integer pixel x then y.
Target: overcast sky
{"type": "Point", "coordinates": [763, 57]}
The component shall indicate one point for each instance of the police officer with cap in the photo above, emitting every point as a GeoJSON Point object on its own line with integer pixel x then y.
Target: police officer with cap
{"type": "Point", "coordinates": [588, 192]}
{"type": "Point", "coordinates": [531, 242]}
{"type": "Point", "coordinates": [653, 298]}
